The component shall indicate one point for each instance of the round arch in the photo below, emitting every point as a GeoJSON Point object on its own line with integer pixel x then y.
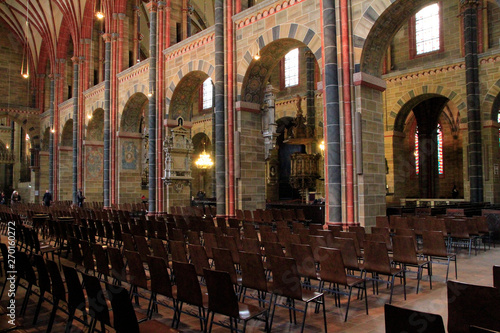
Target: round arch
{"type": "Point", "coordinates": [286, 36]}
{"type": "Point", "coordinates": [132, 113]}
{"type": "Point", "coordinates": [185, 91]}
{"type": "Point", "coordinates": [491, 102]}
{"type": "Point", "coordinates": [95, 128]}
{"type": "Point", "coordinates": [67, 134]}
{"type": "Point", "coordinates": [187, 70]}
{"type": "Point", "coordinates": [377, 27]}
{"type": "Point", "coordinates": [401, 109]}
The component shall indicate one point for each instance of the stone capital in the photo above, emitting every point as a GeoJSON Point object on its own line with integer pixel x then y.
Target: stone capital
{"type": "Point", "coordinates": [464, 4]}
{"type": "Point", "coordinates": [106, 37]}
{"type": "Point", "coordinates": [152, 6]}
{"type": "Point", "coordinates": [76, 60]}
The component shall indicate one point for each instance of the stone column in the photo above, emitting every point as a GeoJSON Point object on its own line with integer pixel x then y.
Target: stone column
{"type": "Point", "coordinates": [220, 142]}
{"type": "Point", "coordinates": [51, 135]}
{"type": "Point", "coordinates": [107, 119]}
{"type": "Point", "coordinates": [469, 13]}
{"type": "Point", "coordinates": [152, 106]}
{"type": "Point", "coordinates": [332, 116]}
{"type": "Point", "coordinates": [76, 72]}
{"type": "Point", "coordinates": [311, 112]}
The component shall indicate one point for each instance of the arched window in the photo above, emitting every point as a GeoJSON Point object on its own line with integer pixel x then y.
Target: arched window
{"type": "Point", "coordinates": [439, 135]}
{"type": "Point", "coordinates": [291, 68]}
{"type": "Point", "coordinates": [208, 91]}
{"type": "Point", "coordinates": [417, 160]}
{"type": "Point", "coordinates": [426, 30]}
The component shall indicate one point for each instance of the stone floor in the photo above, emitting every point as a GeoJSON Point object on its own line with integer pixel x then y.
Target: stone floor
{"type": "Point", "coordinates": [476, 269]}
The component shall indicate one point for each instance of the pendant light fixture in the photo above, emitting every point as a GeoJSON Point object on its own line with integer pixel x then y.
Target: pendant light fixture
{"type": "Point", "coordinates": [25, 71]}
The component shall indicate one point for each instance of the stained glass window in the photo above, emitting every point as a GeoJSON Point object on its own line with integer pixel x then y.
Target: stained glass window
{"type": "Point", "coordinates": [208, 90]}
{"type": "Point", "coordinates": [292, 68]}
{"type": "Point", "coordinates": [417, 161]}
{"type": "Point", "coordinates": [427, 29]}
{"type": "Point", "coordinates": [440, 149]}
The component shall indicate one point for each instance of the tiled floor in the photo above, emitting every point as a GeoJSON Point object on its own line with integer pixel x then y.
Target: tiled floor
{"type": "Point", "coordinates": [476, 269]}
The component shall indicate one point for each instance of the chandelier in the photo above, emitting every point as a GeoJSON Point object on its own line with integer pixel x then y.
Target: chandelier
{"type": "Point", "coordinates": [204, 161]}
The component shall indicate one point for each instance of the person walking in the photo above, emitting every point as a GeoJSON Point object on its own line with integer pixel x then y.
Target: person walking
{"type": "Point", "coordinates": [47, 198]}
{"type": "Point", "coordinates": [80, 197]}
{"type": "Point", "coordinates": [15, 198]}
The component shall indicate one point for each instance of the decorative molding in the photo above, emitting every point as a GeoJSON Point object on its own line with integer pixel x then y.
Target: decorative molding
{"type": "Point", "coordinates": [20, 110]}
{"type": "Point", "coordinates": [134, 71]}
{"type": "Point", "coordinates": [95, 90]}
{"type": "Point", "coordinates": [425, 73]}
{"type": "Point", "coordinates": [367, 80]}
{"type": "Point", "coordinates": [189, 46]}
{"type": "Point", "coordinates": [263, 13]}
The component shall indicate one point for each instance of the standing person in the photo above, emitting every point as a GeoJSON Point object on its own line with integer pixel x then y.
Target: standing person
{"type": "Point", "coordinates": [454, 192]}
{"type": "Point", "coordinates": [3, 199]}
{"type": "Point", "coordinates": [80, 197]}
{"type": "Point", "coordinates": [47, 198]}
{"type": "Point", "coordinates": [15, 198]}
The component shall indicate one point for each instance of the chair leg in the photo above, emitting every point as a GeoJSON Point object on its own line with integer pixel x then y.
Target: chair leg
{"type": "Point", "coordinates": [392, 289]}
{"type": "Point", "coordinates": [348, 302]}
{"type": "Point", "coordinates": [52, 315]}
{"type": "Point", "coordinates": [304, 319]}
{"type": "Point", "coordinates": [366, 296]}
{"type": "Point", "coordinates": [38, 307]}
{"type": "Point", "coordinates": [419, 276]}
{"type": "Point", "coordinates": [71, 314]}
{"type": "Point", "coordinates": [272, 313]}
{"type": "Point", "coordinates": [324, 313]}
{"type": "Point", "coordinates": [211, 323]}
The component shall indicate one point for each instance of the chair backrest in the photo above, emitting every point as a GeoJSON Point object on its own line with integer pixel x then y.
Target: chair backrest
{"type": "Point", "coordinates": [117, 266]}
{"type": "Point", "coordinates": [160, 280]}
{"type": "Point", "coordinates": [142, 247]}
{"type": "Point", "coordinates": [332, 267]}
{"type": "Point", "coordinates": [101, 259]}
{"type": "Point", "coordinates": [124, 317]}
{"type": "Point", "coordinates": [360, 234]}
{"type": "Point", "coordinates": [158, 248]}
{"type": "Point", "coordinates": [433, 243]}
{"type": "Point", "coordinates": [97, 303]}
{"type": "Point", "coordinates": [42, 273]}
{"type": "Point", "coordinates": [404, 250]}
{"type": "Point", "coordinates": [304, 258]}
{"type": "Point", "coordinates": [76, 253]}
{"type": "Point", "coordinates": [253, 275]}
{"type": "Point", "coordinates": [337, 229]}
{"type": "Point", "coordinates": [316, 242]}
{"type": "Point", "coordinates": [269, 237]}
{"type": "Point", "coordinates": [249, 231]}
{"type": "Point", "coordinates": [24, 268]}
{"type": "Point", "coordinates": [250, 245]}
{"type": "Point", "coordinates": [496, 276]}
{"type": "Point", "coordinates": [382, 221]}
{"type": "Point", "coordinates": [376, 258]}
{"type": "Point", "coordinates": [76, 298]}
{"type": "Point", "coordinates": [224, 262]}
{"type": "Point", "coordinates": [409, 233]}
{"type": "Point", "coordinates": [411, 321]}
{"type": "Point", "coordinates": [354, 237]}
{"type": "Point", "coordinates": [137, 276]}
{"type": "Point", "coordinates": [273, 249]}
{"type": "Point", "coordinates": [193, 237]}
{"type": "Point", "coordinates": [58, 290]}
{"type": "Point", "coordinates": [88, 258]}
{"type": "Point", "coordinates": [199, 258]}
{"type": "Point", "coordinates": [188, 287]}
{"type": "Point", "coordinates": [210, 243]}
{"type": "Point", "coordinates": [221, 296]}
{"type": "Point", "coordinates": [286, 279]}
{"type": "Point", "coordinates": [349, 255]}
{"type": "Point", "coordinates": [470, 304]}
{"type": "Point", "coordinates": [178, 251]}
{"type": "Point", "coordinates": [329, 238]}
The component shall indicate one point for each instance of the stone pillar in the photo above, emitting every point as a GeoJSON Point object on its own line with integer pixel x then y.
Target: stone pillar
{"type": "Point", "coordinates": [332, 116]}
{"type": "Point", "coordinates": [220, 142]}
{"type": "Point", "coordinates": [76, 72]}
{"type": "Point", "coordinates": [51, 135]}
{"type": "Point", "coordinates": [152, 106]}
{"type": "Point", "coordinates": [469, 12]}
{"type": "Point", "coordinates": [107, 119]}
{"type": "Point", "coordinates": [311, 112]}
{"type": "Point", "coordinates": [268, 120]}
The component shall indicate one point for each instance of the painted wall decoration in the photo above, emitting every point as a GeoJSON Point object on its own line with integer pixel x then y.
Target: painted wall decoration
{"type": "Point", "coordinates": [129, 155]}
{"type": "Point", "coordinates": [94, 163]}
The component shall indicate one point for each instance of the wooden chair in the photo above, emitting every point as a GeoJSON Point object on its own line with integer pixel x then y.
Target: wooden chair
{"type": "Point", "coordinates": [286, 283]}
{"type": "Point", "coordinates": [377, 262]}
{"type": "Point", "coordinates": [404, 253]}
{"type": "Point", "coordinates": [399, 319]}
{"type": "Point", "coordinates": [332, 270]}
{"type": "Point", "coordinates": [160, 285]}
{"type": "Point", "coordinates": [124, 316]}
{"type": "Point", "coordinates": [223, 300]}
{"type": "Point", "coordinates": [470, 304]}
{"type": "Point", "coordinates": [434, 248]}
{"type": "Point", "coordinates": [496, 276]}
